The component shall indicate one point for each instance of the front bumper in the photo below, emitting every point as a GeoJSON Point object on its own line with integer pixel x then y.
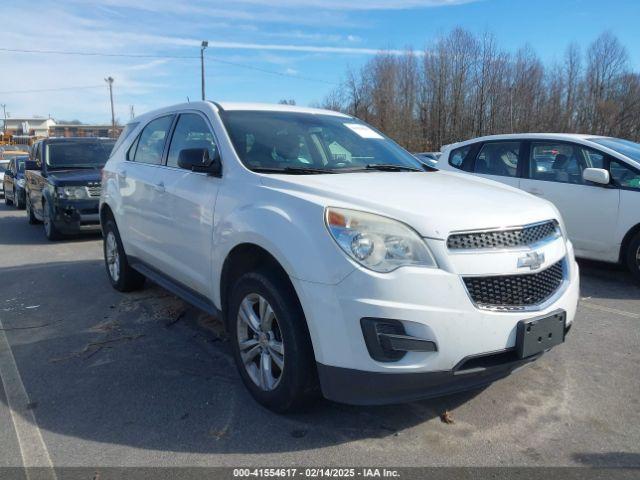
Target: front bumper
{"type": "Point", "coordinates": [433, 305]}
{"type": "Point", "coordinates": [76, 216]}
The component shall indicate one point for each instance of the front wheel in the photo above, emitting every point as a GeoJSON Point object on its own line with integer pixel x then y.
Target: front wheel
{"type": "Point", "coordinates": [270, 342]}
{"type": "Point", "coordinates": [17, 200]}
{"type": "Point", "coordinates": [633, 256]}
{"type": "Point", "coordinates": [30, 215]}
{"type": "Point", "coordinates": [50, 230]}
{"type": "Point", "coordinates": [122, 277]}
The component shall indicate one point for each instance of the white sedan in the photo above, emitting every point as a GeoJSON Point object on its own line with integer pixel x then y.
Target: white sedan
{"type": "Point", "coordinates": [594, 181]}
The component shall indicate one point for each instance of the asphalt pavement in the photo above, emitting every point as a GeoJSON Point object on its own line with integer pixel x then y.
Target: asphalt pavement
{"type": "Point", "coordinates": [144, 379]}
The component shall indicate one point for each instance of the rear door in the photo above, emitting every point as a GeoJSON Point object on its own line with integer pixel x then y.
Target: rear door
{"type": "Point", "coordinates": [140, 192]}
{"type": "Point", "coordinates": [500, 161]}
{"type": "Point", "coordinates": [590, 211]}
{"type": "Point", "coordinates": [187, 204]}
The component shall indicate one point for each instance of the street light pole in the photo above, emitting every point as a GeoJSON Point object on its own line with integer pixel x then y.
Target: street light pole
{"type": "Point", "coordinates": [4, 123]}
{"type": "Point", "coordinates": [204, 45]}
{"type": "Point", "coordinates": [109, 80]}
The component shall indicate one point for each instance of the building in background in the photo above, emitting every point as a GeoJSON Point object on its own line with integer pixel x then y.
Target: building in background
{"type": "Point", "coordinates": [25, 130]}
{"type": "Point", "coordinates": [74, 130]}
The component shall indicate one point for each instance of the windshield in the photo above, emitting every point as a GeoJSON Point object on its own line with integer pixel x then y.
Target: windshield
{"type": "Point", "coordinates": [77, 154]}
{"type": "Point", "coordinates": [290, 141]}
{"type": "Point", "coordinates": [625, 147]}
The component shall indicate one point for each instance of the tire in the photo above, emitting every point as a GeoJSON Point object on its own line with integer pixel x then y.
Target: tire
{"type": "Point", "coordinates": [122, 277]}
{"type": "Point", "coordinates": [30, 216]}
{"type": "Point", "coordinates": [633, 256]}
{"type": "Point", "coordinates": [50, 230]}
{"type": "Point", "coordinates": [276, 362]}
{"type": "Point", "coordinates": [18, 202]}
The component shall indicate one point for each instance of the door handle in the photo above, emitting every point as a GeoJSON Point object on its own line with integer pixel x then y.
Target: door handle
{"type": "Point", "coordinates": [160, 187]}
{"type": "Point", "coordinates": [535, 191]}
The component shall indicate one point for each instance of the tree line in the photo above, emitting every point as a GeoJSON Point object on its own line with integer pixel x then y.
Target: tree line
{"type": "Point", "coordinates": [466, 86]}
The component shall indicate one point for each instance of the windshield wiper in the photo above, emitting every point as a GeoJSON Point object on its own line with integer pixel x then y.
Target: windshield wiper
{"type": "Point", "coordinates": [293, 170]}
{"type": "Point", "coordinates": [390, 167]}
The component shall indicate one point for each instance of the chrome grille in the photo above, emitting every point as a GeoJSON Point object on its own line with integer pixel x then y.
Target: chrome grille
{"type": "Point", "coordinates": [94, 190]}
{"type": "Point", "coordinates": [507, 238]}
{"type": "Point", "coordinates": [515, 291]}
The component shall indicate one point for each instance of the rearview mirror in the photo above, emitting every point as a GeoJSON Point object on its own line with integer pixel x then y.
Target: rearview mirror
{"type": "Point", "coordinates": [198, 160]}
{"type": "Point", "coordinates": [596, 175]}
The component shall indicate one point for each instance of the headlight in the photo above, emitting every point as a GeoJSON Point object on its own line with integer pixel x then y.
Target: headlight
{"type": "Point", "coordinates": [20, 182]}
{"type": "Point", "coordinates": [375, 242]}
{"type": "Point", "coordinates": [72, 193]}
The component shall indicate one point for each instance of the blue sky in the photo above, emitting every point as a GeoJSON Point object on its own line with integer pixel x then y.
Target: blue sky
{"type": "Point", "coordinates": [314, 39]}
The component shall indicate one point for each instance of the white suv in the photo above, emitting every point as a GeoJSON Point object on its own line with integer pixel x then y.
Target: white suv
{"type": "Point", "coordinates": [594, 181]}
{"type": "Point", "coordinates": [336, 261]}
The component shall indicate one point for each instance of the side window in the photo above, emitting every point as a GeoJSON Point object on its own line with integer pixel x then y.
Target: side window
{"type": "Point", "coordinates": [191, 132]}
{"type": "Point", "coordinates": [128, 129]}
{"type": "Point", "coordinates": [498, 158]}
{"type": "Point", "coordinates": [623, 176]}
{"type": "Point", "coordinates": [38, 154]}
{"type": "Point", "coordinates": [562, 162]}
{"type": "Point", "coordinates": [458, 156]}
{"type": "Point", "coordinates": [150, 143]}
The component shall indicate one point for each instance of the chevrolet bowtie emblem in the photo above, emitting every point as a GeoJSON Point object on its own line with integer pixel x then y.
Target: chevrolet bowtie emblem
{"type": "Point", "coordinates": [533, 260]}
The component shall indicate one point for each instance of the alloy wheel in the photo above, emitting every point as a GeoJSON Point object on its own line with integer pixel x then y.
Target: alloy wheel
{"type": "Point", "coordinates": [112, 256]}
{"type": "Point", "coordinates": [260, 342]}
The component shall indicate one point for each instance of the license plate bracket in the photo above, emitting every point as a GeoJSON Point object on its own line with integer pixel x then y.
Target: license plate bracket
{"type": "Point", "coordinates": [536, 335]}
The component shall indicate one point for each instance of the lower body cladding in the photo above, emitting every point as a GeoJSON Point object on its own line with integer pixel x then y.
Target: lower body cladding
{"type": "Point", "coordinates": [71, 217]}
{"type": "Point", "coordinates": [415, 333]}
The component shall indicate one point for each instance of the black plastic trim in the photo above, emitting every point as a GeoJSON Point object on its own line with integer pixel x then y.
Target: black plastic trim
{"type": "Point", "coordinates": [175, 287]}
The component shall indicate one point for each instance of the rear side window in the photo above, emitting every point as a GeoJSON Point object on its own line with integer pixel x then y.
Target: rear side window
{"type": "Point", "coordinates": [149, 145]}
{"type": "Point", "coordinates": [191, 132]}
{"type": "Point", "coordinates": [498, 158]}
{"type": "Point", "coordinates": [128, 129]}
{"type": "Point", "coordinates": [458, 156]}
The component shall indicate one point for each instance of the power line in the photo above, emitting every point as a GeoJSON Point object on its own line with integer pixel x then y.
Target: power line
{"type": "Point", "coordinates": [51, 89]}
{"type": "Point", "coordinates": [180, 57]}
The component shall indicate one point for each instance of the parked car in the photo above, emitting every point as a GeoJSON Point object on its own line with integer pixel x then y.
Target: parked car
{"type": "Point", "coordinates": [333, 257]}
{"type": "Point", "coordinates": [4, 164]}
{"type": "Point", "coordinates": [14, 181]}
{"type": "Point", "coordinates": [593, 181]}
{"type": "Point", "coordinates": [63, 191]}
{"type": "Point", "coordinates": [430, 159]}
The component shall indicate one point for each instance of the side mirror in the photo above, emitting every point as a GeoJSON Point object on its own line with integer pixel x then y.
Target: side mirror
{"type": "Point", "coordinates": [198, 160]}
{"type": "Point", "coordinates": [30, 165]}
{"type": "Point", "coordinates": [596, 175]}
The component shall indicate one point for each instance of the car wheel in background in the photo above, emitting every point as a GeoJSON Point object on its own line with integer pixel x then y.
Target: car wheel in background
{"type": "Point", "coordinates": [50, 230]}
{"type": "Point", "coordinates": [17, 200]}
{"type": "Point", "coordinates": [270, 341]}
{"type": "Point", "coordinates": [30, 216]}
{"type": "Point", "coordinates": [633, 256]}
{"type": "Point", "coordinates": [121, 275]}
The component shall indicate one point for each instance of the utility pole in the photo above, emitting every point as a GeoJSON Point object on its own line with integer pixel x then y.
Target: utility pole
{"type": "Point", "coordinates": [109, 80]}
{"type": "Point", "coordinates": [4, 123]}
{"type": "Point", "coordinates": [204, 45]}
{"type": "Point", "coordinates": [132, 112]}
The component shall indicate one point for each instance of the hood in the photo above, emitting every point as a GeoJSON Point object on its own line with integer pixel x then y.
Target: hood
{"type": "Point", "coordinates": [75, 176]}
{"type": "Point", "coordinates": [433, 203]}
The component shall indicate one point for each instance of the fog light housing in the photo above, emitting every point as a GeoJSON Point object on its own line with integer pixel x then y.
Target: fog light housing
{"type": "Point", "coordinates": [387, 340]}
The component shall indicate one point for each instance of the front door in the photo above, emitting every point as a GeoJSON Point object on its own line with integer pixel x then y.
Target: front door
{"type": "Point", "coordinates": [188, 202]}
{"type": "Point", "coordinates": [589, 211]}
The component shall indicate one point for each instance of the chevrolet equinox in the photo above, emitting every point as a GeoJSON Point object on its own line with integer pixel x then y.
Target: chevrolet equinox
{"type": "Point", "coordinates": [338, 262]}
